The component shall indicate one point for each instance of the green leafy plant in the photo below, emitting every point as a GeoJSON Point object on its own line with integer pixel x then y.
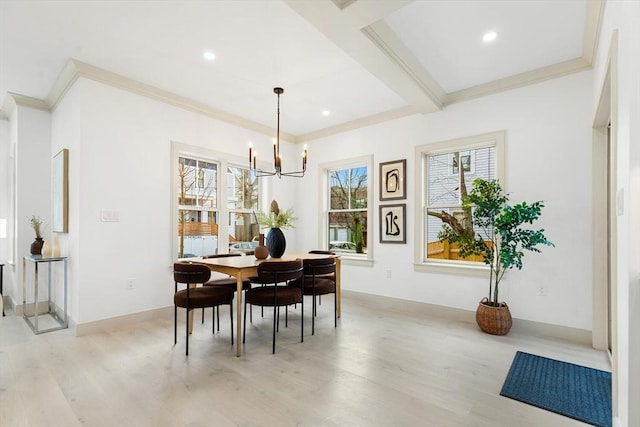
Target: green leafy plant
{"type": "Point", "coordinates": [276, 218]}
{"type": "Point", "coordinates": [502, 236]}
{"type": "Point", "coordinates": [36, 223]}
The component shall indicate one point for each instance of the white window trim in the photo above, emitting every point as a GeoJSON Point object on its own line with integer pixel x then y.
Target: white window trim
{"type": "Point", "coordinates": [496, 139]}
{"type": "Point", "coordinates": [323, 173]}
{"type": "Point", "coordinates": [224, 160]}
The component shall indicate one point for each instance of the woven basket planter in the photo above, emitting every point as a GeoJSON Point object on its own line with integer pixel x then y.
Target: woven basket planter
{"type": "Point", "coordinates": [493, 320]}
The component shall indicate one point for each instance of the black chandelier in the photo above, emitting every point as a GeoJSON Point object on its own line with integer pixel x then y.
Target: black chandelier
{"type": "Point", "coordinates": [277, 159]}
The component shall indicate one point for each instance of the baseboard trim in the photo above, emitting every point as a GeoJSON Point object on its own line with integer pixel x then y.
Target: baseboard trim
{"type": "Point", "coordinates": [520, 326]}
{"type": "Point", "coordinates": [119, 322]}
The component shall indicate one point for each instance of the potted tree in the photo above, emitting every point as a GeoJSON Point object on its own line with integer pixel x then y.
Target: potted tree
{"type": "Point", "coordinates": [499, 237]}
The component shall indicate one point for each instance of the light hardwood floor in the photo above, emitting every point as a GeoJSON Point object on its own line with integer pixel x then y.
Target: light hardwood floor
{"type": "Point", "coordinates": [389, 363]}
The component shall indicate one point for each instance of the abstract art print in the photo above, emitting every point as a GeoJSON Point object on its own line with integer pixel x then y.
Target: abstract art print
{"type": "Point", "coordinates": [393, 185]}
{"type": "Point", "coordinates": [393, 224]}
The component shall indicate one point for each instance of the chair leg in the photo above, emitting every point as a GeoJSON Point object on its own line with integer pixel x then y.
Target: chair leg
{"type": "Point", "coordinates": [313, 315]}
{"type": "Point", "coordinates": [175, 324]}
{"type": "Point", "coordinates": [213, 320]}
{"type": "Point", "coordinates": [244, 322]}
{"type": "Point", "coordinates": [302, 319]}
{"type": "Point", "coordinates": [273, 350]}
{"type": "Point", "coordinates": [187, 330]}
{"type": "Point", "coordinates": [203, 316]}
{"type": "Point", "coordinates": [218, 316]}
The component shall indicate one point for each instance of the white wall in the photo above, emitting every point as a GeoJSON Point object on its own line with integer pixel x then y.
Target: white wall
{"type": "Point", "coordinates": [66, 133]}
{"type": "Point", "coordinates": [5, 179]}
{"type": "Point", "coordinates": [623, 17]}
{"type": "Point", "coordinates": [31, 133]}
{"type": "Point", "coordinates": [120, 146]}
{"type": "Point", "coordinates": [119, 159]}
{"type": "Point", "coordinates": [548, 156]}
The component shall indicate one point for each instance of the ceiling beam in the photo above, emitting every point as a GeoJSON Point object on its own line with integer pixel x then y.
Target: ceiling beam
{"type": "Point", "coordinates": [357, 31]}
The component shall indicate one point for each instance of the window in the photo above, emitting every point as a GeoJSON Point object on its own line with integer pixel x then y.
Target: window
{"type": "Point", "coordinates": [348, 204]}
{"type": "Point", "coordinates": [209, 219]}
{"type": "Point", "coordinates": [197, 207]}
{"type": "Point", "coordinates": [444, 186]}
{"type": "Point", "coordinates": [242, 202]}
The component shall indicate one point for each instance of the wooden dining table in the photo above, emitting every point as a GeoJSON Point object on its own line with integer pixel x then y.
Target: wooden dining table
{"type": "Point", "coordinates": [247, 266]}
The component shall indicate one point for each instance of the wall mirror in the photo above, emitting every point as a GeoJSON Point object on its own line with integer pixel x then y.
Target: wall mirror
{"type": "Point", "coordinates": [60, 191]}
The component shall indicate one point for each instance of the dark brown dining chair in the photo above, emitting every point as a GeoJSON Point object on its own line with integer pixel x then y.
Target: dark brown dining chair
{"type": "Point", "coordinates": [229, 282]}
{"type": "Point", "coordinates": [191, 297]}
{"type": "Point", "coordinates": [319, 279]}
{"type": "Point", "coordinates": [321, 252]}
{"type": "Point", "coordinates": [275, 274]}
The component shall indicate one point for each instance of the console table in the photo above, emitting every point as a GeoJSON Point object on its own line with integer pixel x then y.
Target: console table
{"type": "Point", "coordinates": [57, 314]}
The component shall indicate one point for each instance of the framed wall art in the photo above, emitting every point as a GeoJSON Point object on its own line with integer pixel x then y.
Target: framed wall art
{"type": "Point", "coordinates": [60, 191]}
{"type": "Point", "coordinates": [393, 185]}
{"type": "Point", "coordinates": [393, 227]}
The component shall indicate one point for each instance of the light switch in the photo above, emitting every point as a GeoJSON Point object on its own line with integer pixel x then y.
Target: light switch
{"type": "Point", "coordinates": [109, 215]}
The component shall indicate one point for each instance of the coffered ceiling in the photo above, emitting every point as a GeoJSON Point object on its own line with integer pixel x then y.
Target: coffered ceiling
{"type": "Point", "coordinates": [362, 61]}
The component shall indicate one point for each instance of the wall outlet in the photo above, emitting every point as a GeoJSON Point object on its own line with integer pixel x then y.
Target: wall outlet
{"type": "Point", "coordinates": [131, 284]}
{"type": "Point", "coordinates": [388, 274]}
{"type": "Point", "coordinates": [542, 290]}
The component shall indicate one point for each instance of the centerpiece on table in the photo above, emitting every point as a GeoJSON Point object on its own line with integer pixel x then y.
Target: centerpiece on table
{"type": "Point", "coordinates": [276, 220]}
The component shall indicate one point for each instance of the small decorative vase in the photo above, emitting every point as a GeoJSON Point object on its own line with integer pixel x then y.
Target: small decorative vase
{"type": "Point", "coordinates": [36, 247]}
{"type": "Point", "coordinates": [55, 246]}
{"type": "Point", "coordinates": [261, 252]}
{"type": "Point", "coordinates": [46, 249]}
{"type": "Point", "coordinates": [276, 242]}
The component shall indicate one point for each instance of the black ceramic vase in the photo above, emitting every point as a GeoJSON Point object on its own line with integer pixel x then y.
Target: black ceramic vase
{"type": "Point", "coordinates": [36, 247]}
{"type": "Point", "coordinates": [276, 243]}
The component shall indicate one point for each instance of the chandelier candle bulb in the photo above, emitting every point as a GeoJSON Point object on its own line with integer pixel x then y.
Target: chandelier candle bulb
{"type": "Point", "coordinates": [250, 151]}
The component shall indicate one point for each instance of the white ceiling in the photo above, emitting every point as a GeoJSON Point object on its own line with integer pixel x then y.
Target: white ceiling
{"type": "Point", "coordinates": [364, 60]}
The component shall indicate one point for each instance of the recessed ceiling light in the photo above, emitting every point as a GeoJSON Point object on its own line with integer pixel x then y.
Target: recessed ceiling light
{"type": "Point", "coordinates": [326, 113]}
{"type": "Point", "coordinates": [208, 55]}
{"type": "Point", "coordinates": [489, 37]}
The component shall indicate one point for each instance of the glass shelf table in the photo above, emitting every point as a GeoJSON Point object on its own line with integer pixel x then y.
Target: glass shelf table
{"type": "Point", "coordinates": [40, 318]}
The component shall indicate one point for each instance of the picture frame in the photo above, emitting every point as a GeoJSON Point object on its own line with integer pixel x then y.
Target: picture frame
{"type": "Point", "coordinates": [393, 219]}
{"type": "Point", "coordinates": [393, 184]}
{"type": "Point", "coordinates": [60, 192]}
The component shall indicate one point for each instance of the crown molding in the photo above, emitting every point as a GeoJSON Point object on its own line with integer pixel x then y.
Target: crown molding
{"type": "Point", "coordinates": [519, 80]}
{"type": "Point", "coordinates": [75, 69]}
{"type": "Point", "coordinates": [13, 100]}
{"type": "Point", "coordinates": [359, 123]}
{"type": "Point", "coordinates": [595, 12]}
